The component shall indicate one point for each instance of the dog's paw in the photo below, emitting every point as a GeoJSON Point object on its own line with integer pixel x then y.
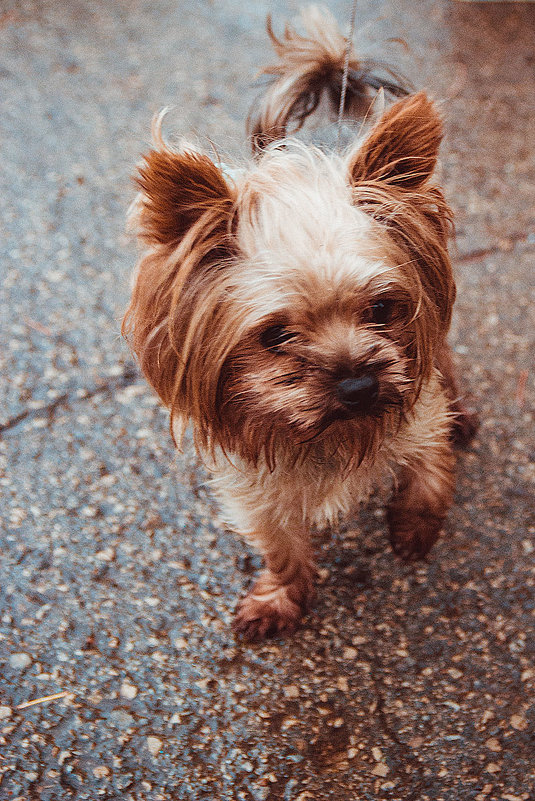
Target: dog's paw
{"type": "Point", "coordinates": [414, 542]}
{"type": "Point", "coordinates": [267, 613]}
{"type": "Point", "coordinates": [464, 426]}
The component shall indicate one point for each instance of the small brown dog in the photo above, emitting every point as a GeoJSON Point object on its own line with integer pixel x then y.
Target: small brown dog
{"type": "Point", "coordinates": [296, 314]}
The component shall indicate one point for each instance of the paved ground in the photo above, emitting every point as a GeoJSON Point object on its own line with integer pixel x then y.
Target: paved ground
{"type": "Point", "coordinates": [117, 582]}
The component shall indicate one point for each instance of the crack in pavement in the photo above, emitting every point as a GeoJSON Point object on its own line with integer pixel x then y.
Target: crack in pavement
{"type": "Point", "coordinates": [128, 376]}
{"type": "Point", "coordinates": [512, 242]}
{"type": "Point", "coordinates": [405, 752]}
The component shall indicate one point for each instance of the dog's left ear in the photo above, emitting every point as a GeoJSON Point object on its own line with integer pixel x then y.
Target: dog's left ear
{"type": "Point", "coordinates": [390, 175]}
{"type": "Point", "coordinates": [402, 148]}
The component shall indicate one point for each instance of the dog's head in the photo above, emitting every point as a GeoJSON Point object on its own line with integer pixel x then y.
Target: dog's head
{"type": "Point", "coordinates": [302, 301]}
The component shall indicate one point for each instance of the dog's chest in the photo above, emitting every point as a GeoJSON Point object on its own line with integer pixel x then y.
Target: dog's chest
{"type": "Point", "coordinates": [312, 493]}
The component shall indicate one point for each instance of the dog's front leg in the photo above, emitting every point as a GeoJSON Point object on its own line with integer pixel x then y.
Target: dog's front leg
{"type": "Point", "coordinates": [421, 500]}
{"type": "Point", "coordinates": [282, 593]}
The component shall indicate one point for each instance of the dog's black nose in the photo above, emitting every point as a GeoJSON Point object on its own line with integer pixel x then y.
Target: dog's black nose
{"type": "Point", "coordinates": [358, 394]}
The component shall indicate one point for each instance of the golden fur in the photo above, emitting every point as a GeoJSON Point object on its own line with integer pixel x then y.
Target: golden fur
{"type": "Point", "coordinates": [296, 315]}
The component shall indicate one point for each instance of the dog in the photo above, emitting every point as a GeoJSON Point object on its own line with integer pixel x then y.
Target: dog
{"type": "Point", "coordinates": [295, 312]}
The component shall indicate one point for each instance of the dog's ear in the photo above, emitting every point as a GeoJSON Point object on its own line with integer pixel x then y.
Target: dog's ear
{"type": "Point", "coordinates": [177, 188]}
{"type": "Point", "coordinates": [402, 148]}
{"type": "Point", "coordinates": [185, 214]}
{"type": "Point", "coordinates": [390, 174]}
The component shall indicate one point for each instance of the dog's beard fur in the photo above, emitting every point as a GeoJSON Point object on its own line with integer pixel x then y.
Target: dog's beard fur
{"type": "Point", "coordinates": [261, 295]}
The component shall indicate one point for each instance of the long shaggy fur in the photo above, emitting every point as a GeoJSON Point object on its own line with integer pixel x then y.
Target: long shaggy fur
{"type": "Point", "coordinates": [296, 314]}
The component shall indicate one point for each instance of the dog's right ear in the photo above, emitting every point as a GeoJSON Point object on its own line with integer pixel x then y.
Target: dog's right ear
{"type": "Point", "coordinates": [177, 189]}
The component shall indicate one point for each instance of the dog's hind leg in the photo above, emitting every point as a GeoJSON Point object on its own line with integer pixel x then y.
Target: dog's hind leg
{"type": "Point", "coordinates": [465, 422]}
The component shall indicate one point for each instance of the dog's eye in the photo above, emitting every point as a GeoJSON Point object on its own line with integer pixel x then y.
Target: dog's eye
{"type": "Point", "coordinates": [382, 311]}
{"type": "Point", "coordinates": [275, 336]}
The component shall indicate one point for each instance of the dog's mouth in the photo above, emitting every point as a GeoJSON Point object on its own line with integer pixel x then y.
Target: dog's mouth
{"type": "Point", "coordinates": [358, 403]}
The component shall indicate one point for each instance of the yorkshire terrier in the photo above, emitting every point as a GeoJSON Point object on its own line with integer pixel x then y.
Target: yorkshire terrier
{"type": "Point", "coordinates": [295, 312]}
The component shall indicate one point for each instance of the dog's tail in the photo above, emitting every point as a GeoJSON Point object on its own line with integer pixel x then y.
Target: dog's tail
{"type": "Point", "coordinates": [310, 66]}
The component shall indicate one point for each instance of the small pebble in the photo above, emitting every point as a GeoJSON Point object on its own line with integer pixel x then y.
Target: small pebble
{"type": "Point", "coordinates": [20, 660]}
{"type": "Point", "coordinates": [455, 673]}
{"type": "Point", "coordinates": [128, 690]}
{"type": "Point", "coordinates": [101, 771]}
{"type": "Point", "coordinates": [519, 722]}
{"type": "Point", "coordinates": [291, 691]}
{"type": "Point", "coordinates": [121, 719]}
{"type": "Point", "coordinates": [493, 744]}
{"type": "Point", "coordinates": [154, 744]}
{"type": "Point", "coordinates": [381, 770]}
{"type": "Point", "coordinates": [107, 555]}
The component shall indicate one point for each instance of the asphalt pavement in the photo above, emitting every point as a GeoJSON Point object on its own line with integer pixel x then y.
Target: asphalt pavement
{"type": "Point", "coordinates": [119, 675]}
